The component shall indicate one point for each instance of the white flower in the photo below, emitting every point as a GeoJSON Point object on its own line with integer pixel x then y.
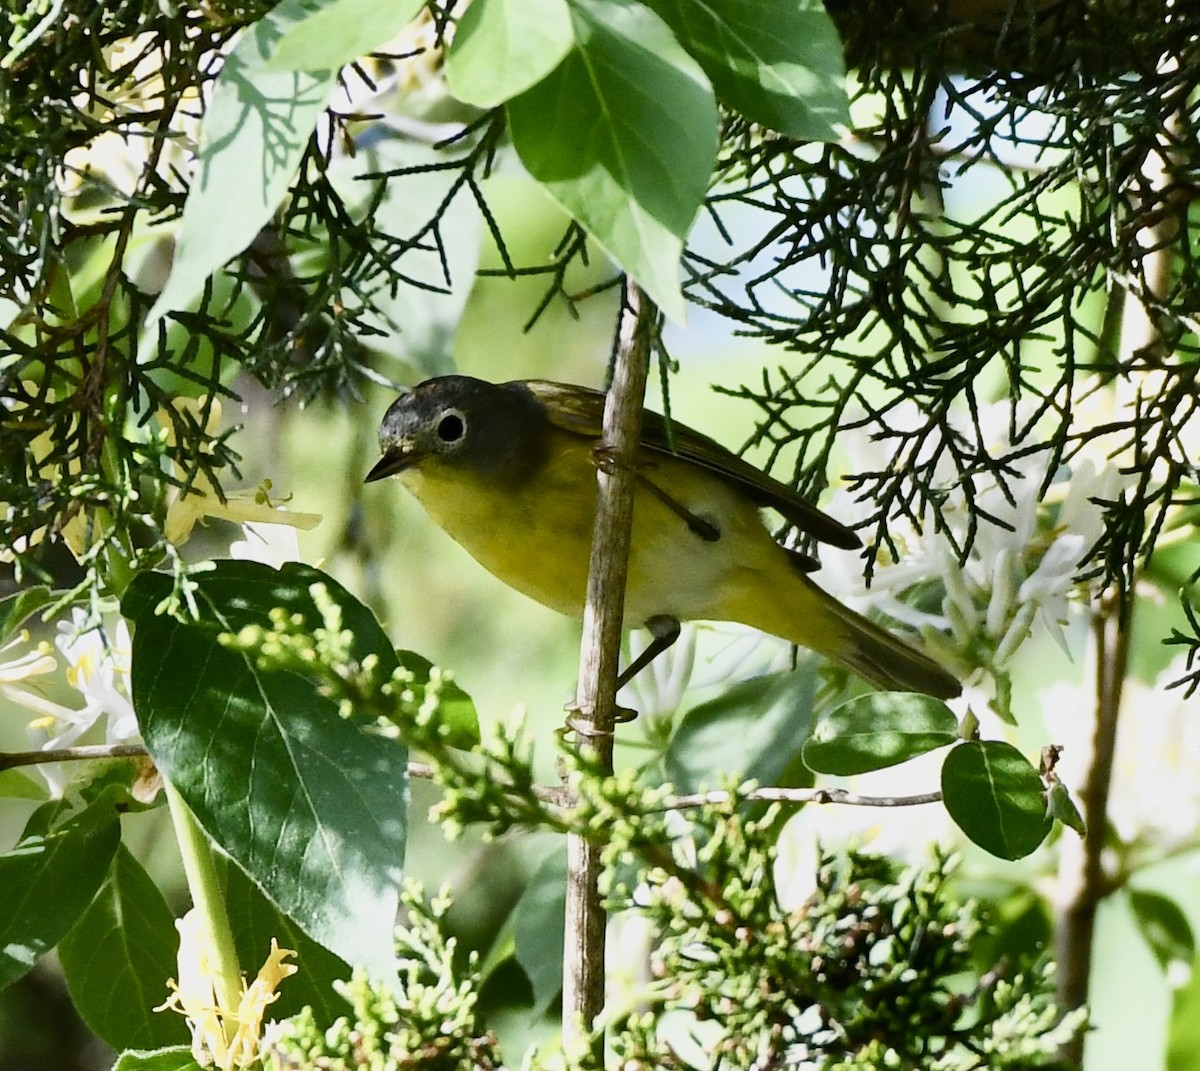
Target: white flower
{"type": "Point", "coordinates": [271, 544]}
{"type": "Point", "coordinates": [34, 663]}
{"type": "Point", "coordinates": [706, 655]}
{"type": "Point", "coordinates": [97, 666]}
{"type": "Point", "coordinates": [1027, 548]}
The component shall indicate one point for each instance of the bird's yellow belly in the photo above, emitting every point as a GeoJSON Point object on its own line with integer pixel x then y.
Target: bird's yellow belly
{"type": "Point", "coordinates": [538, 540]}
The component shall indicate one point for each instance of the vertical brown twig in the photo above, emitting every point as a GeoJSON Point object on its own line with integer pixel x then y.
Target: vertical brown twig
{"type": "Point", "coordinates": [1083, 883]}
{"type": "Point", "coordinates": [595, 715]}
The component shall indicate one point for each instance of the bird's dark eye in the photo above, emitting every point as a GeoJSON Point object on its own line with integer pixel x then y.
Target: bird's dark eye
{"type": "Point", "coordinates": [451, 428]}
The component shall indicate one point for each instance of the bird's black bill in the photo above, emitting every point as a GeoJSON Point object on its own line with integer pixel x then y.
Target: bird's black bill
{"type": "Point", "coordinates": [392, 462]}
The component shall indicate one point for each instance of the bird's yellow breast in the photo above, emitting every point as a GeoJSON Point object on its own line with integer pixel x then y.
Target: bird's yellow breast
{"type": "Point", "coordinates": [536, 536]}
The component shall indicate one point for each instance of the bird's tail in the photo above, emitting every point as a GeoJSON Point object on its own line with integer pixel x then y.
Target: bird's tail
{"type": "Point", "coordinates": [812, 618]}
{"type": "Point", "coordinates": [881, 659]}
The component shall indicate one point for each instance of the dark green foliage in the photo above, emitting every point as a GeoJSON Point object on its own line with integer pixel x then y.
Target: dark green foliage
{"type": "Point", "coordinates": [875, 969]}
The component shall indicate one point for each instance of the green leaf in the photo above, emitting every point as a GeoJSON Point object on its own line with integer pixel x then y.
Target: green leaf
{"type": "Point", "coordinates": [623, 134]}
{"type": "Point", "coordinates": [336, 32]}
{"type": "Point", "coordinates": [1164, 926]}
{"type": "Point", "coordinates": [118, 957]}
{"type": "Point", "coordinates": [878, 730]}
{"type": "Point", "coordinates": [753, 729]}
{"type": "Point", "coordinates": [996, 797]}
{"type": "Point", "coordinates": [51, 875]}
{"type": "Point", "coordinates": [16, 609]}
{"type": "Point", "coordinates": [539, 921]}
{"type": "Point", "coordinates": [252, 139]}
{"type": "Point", "coordinates": [451, 707]}
{"type": "Point", "coordinates": [178, 1058]}
{"type": "Point", "coordinates": [254, 921]}
{"type": "Point", "coordinates": [312, 807]}
{"type": "Point", "coordinates": [778, 62]}
{"type": "Point", "coordinates": [502, 47]}
{"type": "Point", "coordinates": [1063, 809]}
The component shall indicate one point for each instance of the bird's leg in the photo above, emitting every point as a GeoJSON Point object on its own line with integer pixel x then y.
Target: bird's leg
{"type": "Point", "coordinates": [664, 631]}
{"type": "Point", "coordinates": [706, 530]}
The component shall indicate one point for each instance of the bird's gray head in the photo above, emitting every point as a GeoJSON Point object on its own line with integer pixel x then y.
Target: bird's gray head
{"type": "Point", "coordinates": [493, 430]}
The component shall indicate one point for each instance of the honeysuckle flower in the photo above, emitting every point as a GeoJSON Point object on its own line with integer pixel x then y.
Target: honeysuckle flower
{"type": "Point", "coordinates": [97, 667]}
{"type": "Point", "coordinates": [111, 165]}
{"type": "Point", "coordinates": [271, 544]}
{"type": "Point", "coordinates": [36, 662]}
{"type": "Point", "coordinates": [222, 1037]}
{"type": "Point", "coordinates": [1022, 570]}
{"type": "Point", "coordinates": [200, 499]}
{"type": "Point", "coordinates": [706, 655]}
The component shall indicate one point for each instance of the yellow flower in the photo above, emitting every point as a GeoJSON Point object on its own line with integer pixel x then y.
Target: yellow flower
{"type": "Point", "coordinates": [226, 1038]}
{"type": "Point", "coordinates": [201, 499]}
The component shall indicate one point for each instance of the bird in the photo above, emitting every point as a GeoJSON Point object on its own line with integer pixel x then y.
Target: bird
{"type": "Point", "coordinates": [508, 470]}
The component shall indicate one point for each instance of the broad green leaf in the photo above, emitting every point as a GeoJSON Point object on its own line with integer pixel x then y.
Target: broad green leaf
{"type": "Point", "coordinates": [753, 729]}
{"type": "Point", "coordinates": [16, 609]}
{"type": "Point", "coordinates": [450, 707]}
{"type": "Point", "coordinates": [1164, 926]}
{"type": "Point", "coordinates": [254, 921]}
{"type": "Point", "coordinates": [118, 957]}
{"type": "Point", "coordinates": [778, 62]}
{"type": "Point", "coordinates": [502, 949]}
{"type": "Point", "coordinates": [50, 876]}
{"type": "Point", "coordinates": [539, 920]}
{"type": "Point", "coordinates": [996, 797]}
{"type": "Point", "coordinates": [877, 730]}
{"type": "Point", "coordinates": [623, 134]}
{"type": "Point", "coordinates": [336, 32]}
{"type": "Point", "coordinates": [502, 47]}
{"type": "Point", "coordinates": [178, 1058]}
{"type": "Point", "coordinates": [312, 807]}
{"type": "Point", "coordinates": [251, 141]}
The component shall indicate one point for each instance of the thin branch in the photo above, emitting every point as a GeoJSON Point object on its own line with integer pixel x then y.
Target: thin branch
{"type": "Point", "coordinates": [556, 795]}
{"type": "Point", "coordinates": [1083, 882]}
{"type": "Point", "coordinates": [596, 707]}
{"type": "Point", "coordinates": [797, 795]}
{"type": "Point", "coordinates": [10, 760]}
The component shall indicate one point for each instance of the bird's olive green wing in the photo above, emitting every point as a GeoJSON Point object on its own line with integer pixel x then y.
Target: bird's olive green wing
{"type": "Point", "coordinates": [581, 411]}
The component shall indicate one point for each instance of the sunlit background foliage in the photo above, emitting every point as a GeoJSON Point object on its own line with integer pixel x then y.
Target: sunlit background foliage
{"type": "Point", "coordinates": [969, 323]}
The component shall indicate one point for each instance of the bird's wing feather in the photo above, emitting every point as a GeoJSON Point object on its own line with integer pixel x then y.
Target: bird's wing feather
{"type": "Point", "coordinates": [581, 411]}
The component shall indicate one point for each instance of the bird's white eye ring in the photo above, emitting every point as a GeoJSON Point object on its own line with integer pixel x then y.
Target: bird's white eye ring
{"type": "Point", "coordinates": [452, 426]}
